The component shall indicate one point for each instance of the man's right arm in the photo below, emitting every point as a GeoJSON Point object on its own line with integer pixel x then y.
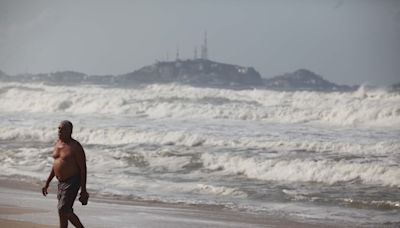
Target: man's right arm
{"type": "Point", "coordinates": [51, 176]}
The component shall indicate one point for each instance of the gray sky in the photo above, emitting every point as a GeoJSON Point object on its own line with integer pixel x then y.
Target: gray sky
{"type": "Point", "coordinates": [347, 42]}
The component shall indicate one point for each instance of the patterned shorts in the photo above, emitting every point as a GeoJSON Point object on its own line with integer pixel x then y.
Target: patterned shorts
{"type": "Point", "coordinates": [67, 192]}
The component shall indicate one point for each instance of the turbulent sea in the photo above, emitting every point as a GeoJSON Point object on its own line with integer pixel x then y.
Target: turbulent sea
{"type": "Point", "coordinates": [306, 155]}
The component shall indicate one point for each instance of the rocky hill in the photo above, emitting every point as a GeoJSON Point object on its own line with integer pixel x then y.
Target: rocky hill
{"type": "Point", "coordinates": [199, 72]}
{"type": "Point", "coordinates": [303, 80]}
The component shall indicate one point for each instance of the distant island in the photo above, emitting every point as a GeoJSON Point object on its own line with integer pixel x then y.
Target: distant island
{"type": "Point", "coordinates": [199, 71]}
{"type": "Point", "coordinates": [303, 79]}
{"type": "Point", "coordinates": [195, 72]}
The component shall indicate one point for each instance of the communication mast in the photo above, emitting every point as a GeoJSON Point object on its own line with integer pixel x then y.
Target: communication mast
{"type": "Point", "coordinates": [177, 53]}
{"type": "Point", "coordinates": [204, 49]}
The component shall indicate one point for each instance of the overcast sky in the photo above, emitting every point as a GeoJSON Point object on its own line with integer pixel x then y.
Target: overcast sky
{"type": "Point", "coordinates": [347, 42]}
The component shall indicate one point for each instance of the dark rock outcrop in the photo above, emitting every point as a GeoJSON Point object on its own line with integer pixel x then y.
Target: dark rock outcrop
{"type": "Point", "coordinates": [303, 80]}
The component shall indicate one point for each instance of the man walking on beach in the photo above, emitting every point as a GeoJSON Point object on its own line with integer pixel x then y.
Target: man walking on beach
{"type": "Point", "coordinates": [69, 167]}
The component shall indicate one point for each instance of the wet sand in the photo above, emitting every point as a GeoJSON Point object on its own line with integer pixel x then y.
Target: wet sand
{"type": "Point", "coordinates": [22, 205]}
{"type": "Point", "coordinates": [18, 224]}
{"type": "Point", "coordinates": [12, 210]}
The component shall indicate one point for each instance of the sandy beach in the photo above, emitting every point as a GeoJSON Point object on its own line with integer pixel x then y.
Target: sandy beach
{"type": "Point", "coordinates": [13, 210]}
{"type": "Point", "coordinates": [21, 206]}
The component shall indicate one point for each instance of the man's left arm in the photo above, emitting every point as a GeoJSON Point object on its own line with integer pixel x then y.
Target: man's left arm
{"type": "Point", "coordinates": [81, 160]}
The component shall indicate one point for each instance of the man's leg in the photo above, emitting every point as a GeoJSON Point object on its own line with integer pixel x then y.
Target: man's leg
{"type": "Point", "coordinates": [63, 220]}
{"type": "Point", "coordinates": [68, 191]}
{"type": "Point", "coordinates": [75, 220]}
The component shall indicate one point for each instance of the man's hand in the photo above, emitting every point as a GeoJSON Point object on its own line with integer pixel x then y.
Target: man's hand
{"type": "Point", "coordinates": [44, 190]}
{"type": "Point", "coordinates": [84, 197]}
{"type": "Point", "coordinates": [46, 185]}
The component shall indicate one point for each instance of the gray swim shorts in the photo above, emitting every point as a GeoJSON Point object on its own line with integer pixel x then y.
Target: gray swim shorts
{"type": "Point", "coordinates": [67, 192]}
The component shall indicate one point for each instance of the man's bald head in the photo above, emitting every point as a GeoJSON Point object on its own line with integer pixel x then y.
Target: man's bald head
{"type": "Point", "coordinates": [67, 124]}
{"type": "Point", "coordinates": [65, 130]}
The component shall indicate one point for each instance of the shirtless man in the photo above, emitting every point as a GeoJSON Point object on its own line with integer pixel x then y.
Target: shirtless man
{"type": "Point", "coordinates": [69, 167]}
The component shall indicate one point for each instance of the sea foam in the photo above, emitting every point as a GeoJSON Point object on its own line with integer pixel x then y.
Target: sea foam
{"type": "Point", "coordinates": [365, 108]}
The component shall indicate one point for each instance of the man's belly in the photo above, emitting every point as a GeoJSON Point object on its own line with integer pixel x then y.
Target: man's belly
{"type": "Point", "coordinates": [64, 169]}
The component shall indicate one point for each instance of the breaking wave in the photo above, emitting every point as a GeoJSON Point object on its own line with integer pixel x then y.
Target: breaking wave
{"type": "Point", "coordinates": [164, 137]}
{"type": "Point", "coordinates": [301, 170]}
{"type": "Point", "coordinates": [363, 107]}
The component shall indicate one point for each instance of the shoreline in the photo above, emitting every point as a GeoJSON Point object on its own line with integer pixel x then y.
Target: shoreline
{"type": "Point", "coordinates": [22, 205]}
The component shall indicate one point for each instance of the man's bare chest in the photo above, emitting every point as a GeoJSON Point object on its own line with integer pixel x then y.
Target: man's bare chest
{"type": "Point", "coordinates": [63, 152]}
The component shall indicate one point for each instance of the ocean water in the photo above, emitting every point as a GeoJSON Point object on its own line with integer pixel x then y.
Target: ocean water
{"type": "Point", "coordinates": [306, 155]}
